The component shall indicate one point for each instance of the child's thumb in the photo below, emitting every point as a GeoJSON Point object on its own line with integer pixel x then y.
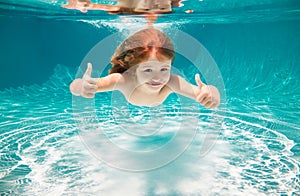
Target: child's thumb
{"type": "Point", "coordinates": [88, 71]}
{"type": "Point", "coordinates": [198, 81]}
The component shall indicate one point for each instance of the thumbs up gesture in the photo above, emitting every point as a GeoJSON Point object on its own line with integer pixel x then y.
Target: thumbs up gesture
{"type": "Point", "coordinates": [85, 86]}
{"type": "Point", "coordinates": [207, 95]}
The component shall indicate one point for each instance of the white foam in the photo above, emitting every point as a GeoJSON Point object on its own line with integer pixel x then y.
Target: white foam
{"type": "Point", "coordinates": [127, 25]}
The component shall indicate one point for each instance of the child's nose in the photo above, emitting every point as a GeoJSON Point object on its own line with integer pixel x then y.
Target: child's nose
{"type": "Point", "coordinates": [156, 77]}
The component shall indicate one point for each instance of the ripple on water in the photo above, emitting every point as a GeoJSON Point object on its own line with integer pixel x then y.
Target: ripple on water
{"type": "Point", "coordinates": [40, 152]}
{"type": "Point", "coordinates": [262, 154]}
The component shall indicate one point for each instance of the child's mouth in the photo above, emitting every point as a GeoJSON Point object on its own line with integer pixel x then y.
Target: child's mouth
{"type": "Point", "coordinates": [153, 84]}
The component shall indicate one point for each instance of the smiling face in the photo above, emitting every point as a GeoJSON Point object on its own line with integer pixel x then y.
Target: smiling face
{"type": "Point", "coordinates": [153, 74]}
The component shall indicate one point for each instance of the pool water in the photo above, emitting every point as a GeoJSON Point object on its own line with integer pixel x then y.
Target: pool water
{"type": "Point", "coordinates": [54, 144]}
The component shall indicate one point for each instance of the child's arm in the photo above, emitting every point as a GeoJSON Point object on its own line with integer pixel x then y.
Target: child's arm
{"type": "Point", "coordinates": [87, 87]}
{"type": "Point", "coordinates": [207, 95]}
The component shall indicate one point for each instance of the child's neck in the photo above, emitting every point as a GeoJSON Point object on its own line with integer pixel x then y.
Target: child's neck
{"type": "Point", "coordinates": [143, 89]}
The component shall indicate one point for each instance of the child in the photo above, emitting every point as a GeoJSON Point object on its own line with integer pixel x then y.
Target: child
{"type": "Point", "coordinates": [126, 6]}
{"type": "Point", "coordinates": [141, 71]}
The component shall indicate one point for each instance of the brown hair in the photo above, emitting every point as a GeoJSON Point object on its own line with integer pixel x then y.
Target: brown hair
{"type": "Point", "coordinates": [138, 48]}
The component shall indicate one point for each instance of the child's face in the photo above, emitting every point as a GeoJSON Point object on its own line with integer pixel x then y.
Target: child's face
{"type": "Point", "coordinates": [153, 74]}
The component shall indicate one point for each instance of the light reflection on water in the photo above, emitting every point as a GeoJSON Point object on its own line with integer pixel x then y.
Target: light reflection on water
{"type": "Point", "coordinates": [41, 151]}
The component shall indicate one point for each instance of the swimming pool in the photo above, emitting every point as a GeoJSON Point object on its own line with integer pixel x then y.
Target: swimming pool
{"type": "Point", "coordinates": [50, 141]}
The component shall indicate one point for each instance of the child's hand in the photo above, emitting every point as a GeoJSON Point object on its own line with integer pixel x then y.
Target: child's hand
{"type": "Point", "coordinates": [88, 85]}
{"type": "Point", "coordinates": [208, 95]}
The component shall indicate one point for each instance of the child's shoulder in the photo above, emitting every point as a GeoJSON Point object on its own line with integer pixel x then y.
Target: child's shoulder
{"type": "Point", "coordinates": [177, 82]}
{"type": "Point", "coordinates": [173, 81]}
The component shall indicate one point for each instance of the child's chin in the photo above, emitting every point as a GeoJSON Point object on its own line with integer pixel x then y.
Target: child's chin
{"type": "Point", "coordinates": [154, 88]}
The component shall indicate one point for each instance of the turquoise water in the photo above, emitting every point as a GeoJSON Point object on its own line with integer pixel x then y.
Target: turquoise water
{"type": "Point", "coordinates": [52, 143]}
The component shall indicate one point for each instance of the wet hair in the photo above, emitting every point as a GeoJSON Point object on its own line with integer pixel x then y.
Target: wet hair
{"type": "Point", "coordinates": [138, 48]}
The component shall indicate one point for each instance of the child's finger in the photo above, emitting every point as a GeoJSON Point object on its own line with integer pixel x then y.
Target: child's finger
{"type": "Point", "coordinates": [91, 86]}
{"type": "Point", "coordinates": [206, 100]}
{"type": "Point", "coordinates": [88, 71]}
{"type": "Point", "coordinates": [89, 95]}
{"type": "Point", "coordinates": [198, 81]}
{"type": "Point", "coordinates": [92, 81]}
{"type": "Point", "coordinates": [204, 95]}
{"type": "Point", "coordinates": [202, 98]}
{"type": "Point", "coordinates": [209, 105]}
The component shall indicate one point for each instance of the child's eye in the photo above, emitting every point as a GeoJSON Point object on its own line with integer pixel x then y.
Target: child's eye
{"type": "Point", "coordinates": [148, 70]}
{"type": "Point", "coordinates": [164, 69]}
